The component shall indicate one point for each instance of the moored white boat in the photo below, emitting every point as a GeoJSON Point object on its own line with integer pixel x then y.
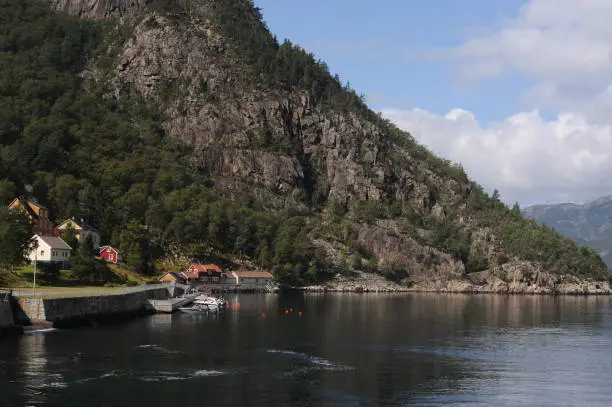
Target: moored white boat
{"type": "Point", "coordinates": [211, 303]}
{"type": "Point", "coordinates": [195, 309]}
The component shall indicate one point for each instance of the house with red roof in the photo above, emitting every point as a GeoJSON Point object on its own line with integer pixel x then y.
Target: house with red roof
{"type": "Point", "coordinates": [206, 273]}
{"type": "Point", "coordinates": [172, 276]}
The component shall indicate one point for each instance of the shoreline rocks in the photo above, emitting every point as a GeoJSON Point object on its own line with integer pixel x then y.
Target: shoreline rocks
{"type": "Point", "coordinates": [373, 283]}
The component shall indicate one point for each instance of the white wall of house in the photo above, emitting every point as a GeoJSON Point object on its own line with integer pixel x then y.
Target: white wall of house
{"type": "Point", "coordinates": [46, 253]}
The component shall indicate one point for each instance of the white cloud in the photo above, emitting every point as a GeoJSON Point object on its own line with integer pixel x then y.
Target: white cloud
{"type": "Point", "coordinates": [564, 50]}
{"type": "Point", "coordinates": [564, 46]}
{"type": "Point", "coordinates": [529, 159]}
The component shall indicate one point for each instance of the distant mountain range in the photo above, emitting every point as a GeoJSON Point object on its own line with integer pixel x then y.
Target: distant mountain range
{"type": "Point", "coordinates": [589, 224]}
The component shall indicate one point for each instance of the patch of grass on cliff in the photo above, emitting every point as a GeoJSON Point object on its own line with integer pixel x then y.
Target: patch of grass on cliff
{"type": "Point", "coordinates": [128, 275]}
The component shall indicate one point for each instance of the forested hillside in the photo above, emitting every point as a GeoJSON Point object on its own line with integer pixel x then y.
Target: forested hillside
{"type": "Point", "coordinates": [183, 128]}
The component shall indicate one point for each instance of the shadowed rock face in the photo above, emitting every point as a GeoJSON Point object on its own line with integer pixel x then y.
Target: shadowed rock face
{"type": "Point", "coordinates": [98, 9]}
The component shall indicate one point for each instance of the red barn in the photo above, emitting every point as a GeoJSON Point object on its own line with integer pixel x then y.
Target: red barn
{"type": "Point", "coordinates": [110, 254]}
{"type": "Point", "coordinates": [206, 273]}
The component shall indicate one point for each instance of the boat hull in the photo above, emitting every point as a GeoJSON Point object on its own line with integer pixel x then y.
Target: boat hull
{"type": "Point", "coordinates": [189, 310]}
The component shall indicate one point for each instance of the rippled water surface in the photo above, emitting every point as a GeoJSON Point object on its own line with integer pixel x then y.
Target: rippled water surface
{"type": "Point", "coordinates": [334, 350]}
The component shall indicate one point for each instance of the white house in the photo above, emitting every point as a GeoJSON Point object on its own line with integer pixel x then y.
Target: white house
{"type": "Point", "coordinates": [50, 249]}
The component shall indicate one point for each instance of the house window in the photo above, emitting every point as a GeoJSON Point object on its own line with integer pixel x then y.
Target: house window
{"type": "Point", "coordinates": [42, 252]}
{"type": "Point", "coordinates": [110, 257]}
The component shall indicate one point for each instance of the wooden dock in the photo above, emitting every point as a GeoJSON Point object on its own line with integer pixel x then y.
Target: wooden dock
{"type": "Point", "coordinates": [172, 304]}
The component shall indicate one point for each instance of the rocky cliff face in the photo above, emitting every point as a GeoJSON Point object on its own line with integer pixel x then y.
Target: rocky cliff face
{"type": "Point", "coordinates": [232, 125]}
{"type": "Point", "coordinates": [287, 151]}
{"type": "Point", "coordinates": [99, 9]}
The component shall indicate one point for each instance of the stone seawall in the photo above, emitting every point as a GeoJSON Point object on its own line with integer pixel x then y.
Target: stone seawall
{"type": "Point", "coordinates": [85, 310]}
{"type": "Point", "coordinates": [6, 314]}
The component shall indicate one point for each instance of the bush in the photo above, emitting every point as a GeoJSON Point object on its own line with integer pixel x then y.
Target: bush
{"type": "Point", "coordinates": [394, 272]}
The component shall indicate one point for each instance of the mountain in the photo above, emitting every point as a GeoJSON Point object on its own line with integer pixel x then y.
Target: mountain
{"type": "Point", "coordinates": [589, 224]}
{"type": "Point", "coordinates": [183, 129]}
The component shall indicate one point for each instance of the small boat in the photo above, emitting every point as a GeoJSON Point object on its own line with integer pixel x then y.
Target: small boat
{"type": "Point", "coordinates": [195, 309]}
{"type": "Point", "coordinates": [38, 331]}
{"type": "Point", "coordinates": [212, 303]}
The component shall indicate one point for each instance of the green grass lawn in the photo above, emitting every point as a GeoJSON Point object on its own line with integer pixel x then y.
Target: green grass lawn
{"type": "Point", "coordinates": [128, 274]}
{"type": "Point", "coordinates": [23, 277]}
{"type": "Point", "coordinates": [64, 283]}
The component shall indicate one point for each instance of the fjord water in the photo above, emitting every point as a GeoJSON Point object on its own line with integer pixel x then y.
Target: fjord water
{"type": "Point", "coordinates": [342, 350]}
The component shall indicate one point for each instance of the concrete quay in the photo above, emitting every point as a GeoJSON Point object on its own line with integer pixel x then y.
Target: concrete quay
{"type": "Point", "coordinates": [77, 309]}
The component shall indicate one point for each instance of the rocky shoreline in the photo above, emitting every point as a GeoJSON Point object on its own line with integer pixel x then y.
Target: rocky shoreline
{"type": "Point", "coordinates": [373, 283]}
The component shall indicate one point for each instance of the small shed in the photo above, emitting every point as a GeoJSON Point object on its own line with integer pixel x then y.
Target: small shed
{"type": "Point", "coordinates": [172, 276]}
{"type": "Point", "coordinates": [254, 278]}
{"type": "Point", "coordinates": [110, 254]}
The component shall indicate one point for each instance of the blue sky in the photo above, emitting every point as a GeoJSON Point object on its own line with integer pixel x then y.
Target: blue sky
{"type": "Point", "coordinates": [382, 49]}
{"type": "Point", "coordinates": [517, 91]}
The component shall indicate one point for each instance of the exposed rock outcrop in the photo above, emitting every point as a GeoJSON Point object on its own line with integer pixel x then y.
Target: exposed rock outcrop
{"type": "Point", "coordinates": [99, 9]}
{"type": "Point", "coordinates": [361, 282]}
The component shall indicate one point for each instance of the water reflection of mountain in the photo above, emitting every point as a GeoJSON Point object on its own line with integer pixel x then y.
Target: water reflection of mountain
{"type": "Point", "coordinates": [440, 343]}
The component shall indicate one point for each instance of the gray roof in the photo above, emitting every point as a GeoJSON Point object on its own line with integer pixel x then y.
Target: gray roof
{"type": "Point", "coordinates": [55, 242]}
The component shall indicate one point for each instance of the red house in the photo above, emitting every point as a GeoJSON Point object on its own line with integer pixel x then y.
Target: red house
{"type": "Point", "coordinates": [110, 254]}
{"type": "Point", "coordinates": [206, 273]}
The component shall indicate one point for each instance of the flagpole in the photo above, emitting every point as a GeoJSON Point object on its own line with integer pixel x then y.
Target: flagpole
{"type": "Point", "coordinates": [35, 258]}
